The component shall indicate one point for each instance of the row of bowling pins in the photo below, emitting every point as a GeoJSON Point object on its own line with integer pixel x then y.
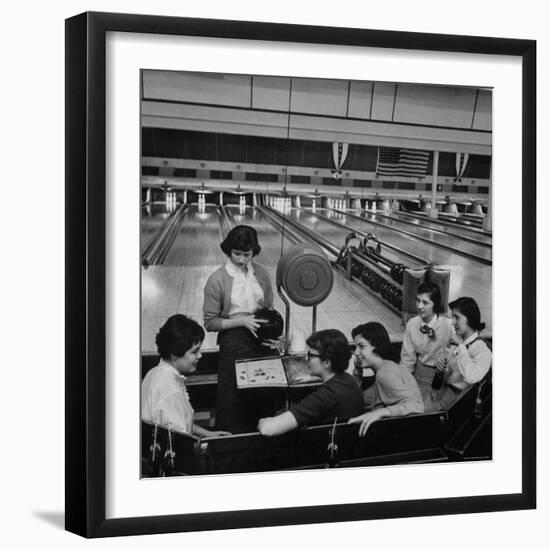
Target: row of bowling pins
{"type": "Point", "coordinates": [170, 197]}
{"type": "Point", "coordinates": [283, 204]}
{"type": "Point", "coordinates": [337, 204]}
{"type": "Point", "coordinates": [242, 205]}
{"type": "Point", "coordinates": [202, 204]}
{"type": "Point", "coordinates": [171, 201]}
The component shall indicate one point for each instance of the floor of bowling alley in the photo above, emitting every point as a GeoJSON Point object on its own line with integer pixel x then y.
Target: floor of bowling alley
{"type": "Point", "coordinates": [175, 284]}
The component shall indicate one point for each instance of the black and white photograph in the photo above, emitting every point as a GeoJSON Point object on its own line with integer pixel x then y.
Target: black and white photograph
{"type": "Point", "coordinates": [316, 273]}
{"type": "Point", "coordinates": [274, 275]}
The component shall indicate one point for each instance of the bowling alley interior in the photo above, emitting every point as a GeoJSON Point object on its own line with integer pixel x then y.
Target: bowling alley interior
{"type": "Point", "coordinates": [360, 194]}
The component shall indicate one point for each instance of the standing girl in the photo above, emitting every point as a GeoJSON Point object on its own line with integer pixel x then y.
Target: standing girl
{"type": "Point", "coordinates": [232, 294]}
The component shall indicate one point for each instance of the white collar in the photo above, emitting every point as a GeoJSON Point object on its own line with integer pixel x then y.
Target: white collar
{"type": "Point", "coordinates": [471, 338]}
{"type": "Point", "coordinates": [432, 323]}
{"type": "Point", "coordinates": [170, 368]}
{"type": "Point", "coordinates": [235, 271]}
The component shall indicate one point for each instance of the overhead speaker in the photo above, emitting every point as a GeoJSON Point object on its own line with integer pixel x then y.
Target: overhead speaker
{"type": "Point", "coordinates": [305, 274]}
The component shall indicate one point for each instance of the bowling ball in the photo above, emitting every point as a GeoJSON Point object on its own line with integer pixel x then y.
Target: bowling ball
{"type": "Point", "coordinates": [273, 328]}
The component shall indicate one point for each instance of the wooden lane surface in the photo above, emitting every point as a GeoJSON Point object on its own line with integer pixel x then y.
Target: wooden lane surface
{"type": "Point", "coordinates": [166, 290]}
{"type": "Point", "coordinates": [468, 277]}
{"type": "Point", "coordinates": [177, 285]}
{"type": "Point", "coordinates": [198, 240]}
{"type": "Point", "coordinates": [437, 238]}
{"type": "Point", "coordinates": [428, 223]}
{"type": "Point", "coordinates": [169, 289]}
{"type": "Point", "coordinates": [337, 235]}
{"type": "Point", "coordinates": [152, 218]}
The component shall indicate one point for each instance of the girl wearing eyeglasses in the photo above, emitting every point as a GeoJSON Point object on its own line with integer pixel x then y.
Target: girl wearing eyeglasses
{"type": "Point", "coordinates": [338, 398]}
{"type": "Point", "coordinates": [395, 391]}
{"type": "Point", "coordinates": [426, 337]}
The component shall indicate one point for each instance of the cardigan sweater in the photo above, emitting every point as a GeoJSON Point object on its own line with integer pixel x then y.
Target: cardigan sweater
{"type": "Point", "coordinates": [217, 295]}
{"type": "Point", "coordinates": [417, 345]}
{"type": "Point", "coordinates": [396, 389]}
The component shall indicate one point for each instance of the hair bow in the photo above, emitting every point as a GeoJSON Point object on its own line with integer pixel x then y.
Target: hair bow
{"type": "Point", "coordinates": [425, 329]}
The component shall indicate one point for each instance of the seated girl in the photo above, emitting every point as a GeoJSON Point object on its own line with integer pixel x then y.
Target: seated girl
{"type": "Point", "coordinates": [395, 392]}
{"type": "Point", "coordinates": [426, 336]}
{"type": "Point", "coordinates": [338, 398]}
{"type": "Point", "coordinates": [468, 358]}
{"type": "Point", "coordinates": [164, 398]}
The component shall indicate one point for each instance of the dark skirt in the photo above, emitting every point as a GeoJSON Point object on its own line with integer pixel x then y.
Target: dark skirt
{"type": "Point", "coordinates": [238, 411]}
{"type": "Point", "coordinates": [439, 400]}
{"type": "Point", "coordinates": [424, 375]}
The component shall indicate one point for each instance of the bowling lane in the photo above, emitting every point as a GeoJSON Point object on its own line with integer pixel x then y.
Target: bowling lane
{"type": "Point", "coordinates": [337, 234]}
{"type": "Point", "coordinates": [468, 277]}
{"type": "Point", "coordinates": [450, 219]}
{"type": "Point", "coordinates": [423, 231]}
{"type": "Point", "coordinates": [177, 285]}
{"type": "Point", "coordinates": [426, 223]}
{"type": "Point", "coordinates": [152, 218]}
{"type": "Point", "coordinates": [348, 304]}
{"type": "Point", "coordinates": [198, 240]}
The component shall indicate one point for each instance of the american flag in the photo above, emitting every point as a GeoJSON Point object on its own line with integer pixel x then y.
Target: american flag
{"type": "Point", "coordinates": [402, 162]}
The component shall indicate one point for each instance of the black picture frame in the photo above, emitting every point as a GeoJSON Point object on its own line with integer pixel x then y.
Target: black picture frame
{"type": "Point", "coordinates": [86, 273]}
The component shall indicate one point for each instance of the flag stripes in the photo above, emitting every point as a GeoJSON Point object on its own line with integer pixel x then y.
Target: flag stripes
{"type": "Point", "coordinates": [402, 162]}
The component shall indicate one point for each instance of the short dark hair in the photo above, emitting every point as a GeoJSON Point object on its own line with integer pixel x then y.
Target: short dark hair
{"type": "Point", "coordinates": [177, 336]}
{"type": "Point", "coordinates": [469, 308]}
{"type": "Point", "coordinates": [332, 346]}
{"type": "Point", "coordinates": [435, 295]}
{"type": "Point", "coordinates": [377, 336]}
{"type": "Point", "coordinates": [241, 237]}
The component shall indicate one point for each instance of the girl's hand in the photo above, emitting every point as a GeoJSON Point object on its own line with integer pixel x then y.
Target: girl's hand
{"type": "Point", "coordinates": [440, 363]}
{"type": "Point", "coordinates": [367, 419]}
{"type": "Point", "coordinates": [456, 340]}
{"type": "Point", "coordinates": [252, 324]}
{"type": "Point", "coordinates": [277, 344]}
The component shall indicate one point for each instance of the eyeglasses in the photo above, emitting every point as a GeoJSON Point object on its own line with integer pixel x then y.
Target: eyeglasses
{"type": "Point", "coordinates": [309, 355]}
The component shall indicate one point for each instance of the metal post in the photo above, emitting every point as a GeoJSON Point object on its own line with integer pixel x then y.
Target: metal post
{"type": "Point", "coordinates": [287, 317]}
{"type": "Point", "coordinates": [314, 319]}
{"type": "Point", "coordinates": [488, 219]}
{"type": "Point", "coordinates": [433, 209]}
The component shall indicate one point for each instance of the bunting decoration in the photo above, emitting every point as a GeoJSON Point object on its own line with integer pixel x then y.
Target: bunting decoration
{"type": "Point", "coordinates": [461, 162]}
{"type": "Point", "coordinates": [339, 154]}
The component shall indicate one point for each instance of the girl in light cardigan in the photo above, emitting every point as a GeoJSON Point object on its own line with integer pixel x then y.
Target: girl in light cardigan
{"type": "Point", "coordinates": [395, 391]}
{"type": "Point", "coordinates": [232, 294]}
{"type": "Point", "coordinates": [426, 337]}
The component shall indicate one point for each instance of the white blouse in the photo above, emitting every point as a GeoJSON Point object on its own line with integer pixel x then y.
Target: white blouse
{"type": "Point", "coordinates": [164, 399]}
{"type": "Point", "coordinates": [469, 362]}
{"type": "Point", "coordinates": [246, 292]}
{"type": "Point", "coordinates": [418, 345]}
